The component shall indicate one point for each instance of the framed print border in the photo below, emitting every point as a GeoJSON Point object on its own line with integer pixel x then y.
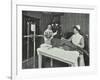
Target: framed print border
{"type": "Point", "coordinates": [16, 69]}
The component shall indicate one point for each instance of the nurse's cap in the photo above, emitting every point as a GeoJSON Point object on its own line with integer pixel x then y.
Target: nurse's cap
{"type": "Point", "coordinates": [78, 27]}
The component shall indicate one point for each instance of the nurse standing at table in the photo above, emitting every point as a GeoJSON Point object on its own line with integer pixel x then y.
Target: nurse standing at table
{"type": "Point", "coordinates": [78, 40]}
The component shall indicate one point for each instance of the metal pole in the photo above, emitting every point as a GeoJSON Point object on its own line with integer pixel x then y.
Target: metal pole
{"type": "Point", "coordinates": [27, 43]}
{"type": "Point", "coordinates": [34, 48]}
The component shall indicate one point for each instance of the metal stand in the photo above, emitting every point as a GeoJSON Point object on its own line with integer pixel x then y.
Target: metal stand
{"type": "Point", "coordinates": [32, 36]}
{"type": "Point", "coordinates": [27, 43]}
{"type": "Point", "coordinates": [34, 50]}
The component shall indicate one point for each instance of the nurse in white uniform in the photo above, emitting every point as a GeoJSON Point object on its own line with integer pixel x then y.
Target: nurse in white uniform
{"type": "Point", "coordinates": [78, 40]}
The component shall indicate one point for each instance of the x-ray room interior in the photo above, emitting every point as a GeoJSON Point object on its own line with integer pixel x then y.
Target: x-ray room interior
{"type": "Point", "coordinates": [35, 23]}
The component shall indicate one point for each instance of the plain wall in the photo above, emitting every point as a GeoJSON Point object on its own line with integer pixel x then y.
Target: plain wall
{"type": "Point", "coordinates": [71, 19]}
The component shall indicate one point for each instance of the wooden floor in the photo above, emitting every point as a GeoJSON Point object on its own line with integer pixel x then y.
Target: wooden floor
{"type": "Point", "coordinates": [28, 64]}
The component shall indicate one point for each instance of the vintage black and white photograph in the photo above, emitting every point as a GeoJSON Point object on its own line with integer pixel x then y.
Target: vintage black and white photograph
{"type": "Point", "coordinates": [55, 39]}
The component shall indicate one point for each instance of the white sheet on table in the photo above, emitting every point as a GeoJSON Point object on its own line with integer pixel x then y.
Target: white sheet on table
{"type": "Point", "coordinates": [70, 56]}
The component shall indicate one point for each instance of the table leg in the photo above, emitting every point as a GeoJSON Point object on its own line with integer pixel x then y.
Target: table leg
{"type": "Point", "coordinates": [51, 62]}
{"type": "Point", "coordinates": [39, 61]}
{"type": "Point", "coordinates": [81, 62]}
{"type": "Point", "coordinates": [75, 64]}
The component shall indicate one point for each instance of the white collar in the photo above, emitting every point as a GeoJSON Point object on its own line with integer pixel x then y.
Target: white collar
{"type": "Point", "coordinates": [77, 34]}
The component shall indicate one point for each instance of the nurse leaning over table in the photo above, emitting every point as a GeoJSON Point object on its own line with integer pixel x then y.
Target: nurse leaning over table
{"type": "Point", "coordinates": [78, 40]}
